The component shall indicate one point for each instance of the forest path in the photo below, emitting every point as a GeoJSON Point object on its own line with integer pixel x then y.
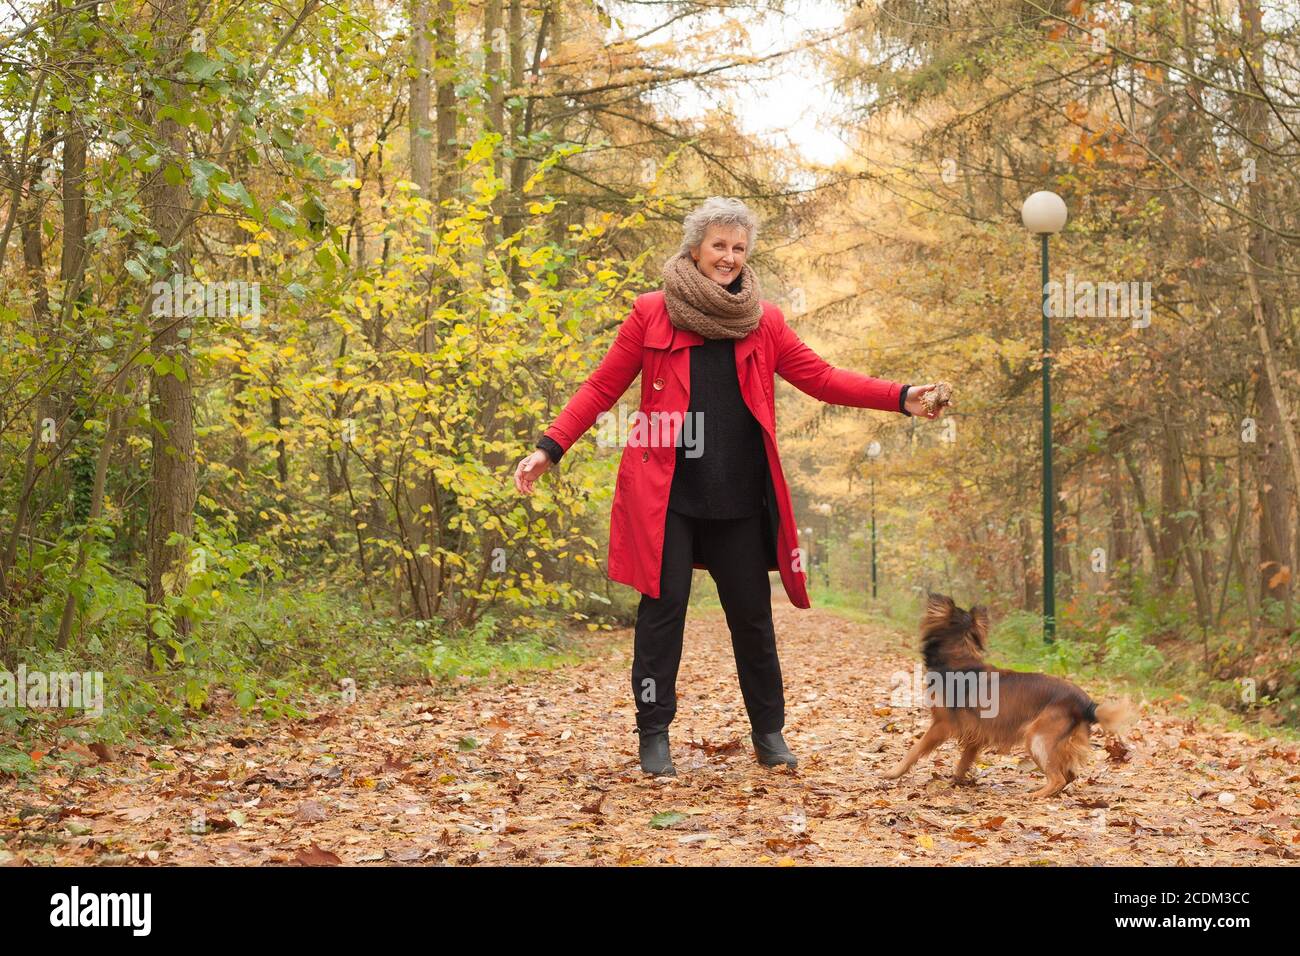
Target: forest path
{"type": "Point", "coordinates": [543, 768]}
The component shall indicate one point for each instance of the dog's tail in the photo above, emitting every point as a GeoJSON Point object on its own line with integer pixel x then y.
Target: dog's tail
{"type": "Point", "coordinates": [1115, 716]}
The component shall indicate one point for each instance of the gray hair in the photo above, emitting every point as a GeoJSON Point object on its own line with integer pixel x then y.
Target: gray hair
{"type": "Point", "coordinates": [718, 210]}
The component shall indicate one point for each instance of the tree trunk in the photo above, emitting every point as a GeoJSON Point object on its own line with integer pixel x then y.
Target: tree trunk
{"type": "Point", "coordinates": [174, 489]}
{"type": "Point", "coordinates": [1277, 441]}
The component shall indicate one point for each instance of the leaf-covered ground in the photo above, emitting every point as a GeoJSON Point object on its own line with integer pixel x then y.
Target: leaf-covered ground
{"type": "Point", "coordinates": [543, 769]}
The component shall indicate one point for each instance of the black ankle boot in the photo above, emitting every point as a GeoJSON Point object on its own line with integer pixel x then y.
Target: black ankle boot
{"type": "Point", "coordinates": [655, 758]}
{"type": "Point", "coordinates": [771, 750]}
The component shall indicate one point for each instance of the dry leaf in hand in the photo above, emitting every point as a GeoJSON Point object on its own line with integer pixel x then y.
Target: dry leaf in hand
{"type": "Point", "coordinates": [936, 398]}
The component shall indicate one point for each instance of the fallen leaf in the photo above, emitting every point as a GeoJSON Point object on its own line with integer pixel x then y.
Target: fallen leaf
{"type": "Point", "coordinates": [314, 856]}
{"type": "Point", "coordinates": [666, 819]}
{"type": "Point", "coordinates": [309, 811]}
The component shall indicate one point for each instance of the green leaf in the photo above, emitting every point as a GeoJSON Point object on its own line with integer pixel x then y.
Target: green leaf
{"type": "Point", "coordinates": [282, 216]}
{"type": "Point", "coordinates": [669, 818]}
{"type": "Point", "coordinates": [236, 192]}
{"type": "Point", "coordinates": [201, 67]}
{"type": "Point", "coordinates": [201, 119]}
{"type": "Point", "coordinates": [134, 267]}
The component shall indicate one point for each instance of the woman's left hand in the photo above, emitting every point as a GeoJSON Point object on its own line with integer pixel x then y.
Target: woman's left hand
{"type": "Point", "coordinates": [914, 404]}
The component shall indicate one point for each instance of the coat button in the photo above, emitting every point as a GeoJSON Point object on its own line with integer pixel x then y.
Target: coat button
{"type": "Point", "coordinates": [645, 456]}
{"type": "Point", "coordinates": [659, 383]}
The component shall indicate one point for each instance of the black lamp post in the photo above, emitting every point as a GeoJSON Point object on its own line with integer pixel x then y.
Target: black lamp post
{"type": "Point", "coordinates": [812, 554]}
{"type": "Point", "coordinates": [1044, 214]}
{"type": "Point", "coordinates": [873, 452]}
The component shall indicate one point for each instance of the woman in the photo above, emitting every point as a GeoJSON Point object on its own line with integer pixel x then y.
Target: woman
{"type": "Point", "coordinates": [718, 499]}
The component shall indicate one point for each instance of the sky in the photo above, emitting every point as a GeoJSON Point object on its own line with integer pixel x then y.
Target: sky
{"type": "Point", "coordinates": [785, 103]}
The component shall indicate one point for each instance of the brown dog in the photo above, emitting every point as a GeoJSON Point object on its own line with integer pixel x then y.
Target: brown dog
{"type": "Point", "coordinates": [990, 708]}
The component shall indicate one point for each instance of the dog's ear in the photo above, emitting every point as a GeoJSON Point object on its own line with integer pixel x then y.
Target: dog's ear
{"type": "Point", "coordinates": [979, 616]}
{"type": "Point", "coordinates": [938, 611]}
{"type": "Point", "coordinates": [934, 599]}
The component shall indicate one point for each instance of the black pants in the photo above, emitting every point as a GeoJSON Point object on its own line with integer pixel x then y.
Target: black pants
{"type": "Point", "coordinates": [733, 550]}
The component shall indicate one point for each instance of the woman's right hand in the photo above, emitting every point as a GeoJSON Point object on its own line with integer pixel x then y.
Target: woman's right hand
{"type": "Point", "coordinates": [530, 469]}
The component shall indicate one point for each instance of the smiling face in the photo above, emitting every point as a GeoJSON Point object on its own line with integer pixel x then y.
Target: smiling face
{"type": "Point", "coordinates": [722, 253]}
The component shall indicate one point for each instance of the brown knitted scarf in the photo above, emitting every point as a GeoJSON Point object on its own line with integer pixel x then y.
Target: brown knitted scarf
{"type": "Point", "coordinates": [696, 302]}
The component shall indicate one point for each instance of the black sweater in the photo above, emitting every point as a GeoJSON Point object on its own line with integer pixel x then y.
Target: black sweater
{"type": "Point", "coordinates": [723, 475]}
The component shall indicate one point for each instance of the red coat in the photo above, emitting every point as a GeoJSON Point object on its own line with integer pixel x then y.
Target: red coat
{"type": "Point", "coordinates": [648, 342]}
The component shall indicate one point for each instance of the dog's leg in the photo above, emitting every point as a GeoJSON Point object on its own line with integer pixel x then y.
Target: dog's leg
{"type": "Point", "coordinates": [1074, 753]}
{"type": "Point", "coordinates": [1052, 752]}
{"type": "Point", "coordinates": [933, 737]}
{"type": "Point", "coordinates": [968, 755]}
{"type": "Point", "coordinates": [1055, 784]}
